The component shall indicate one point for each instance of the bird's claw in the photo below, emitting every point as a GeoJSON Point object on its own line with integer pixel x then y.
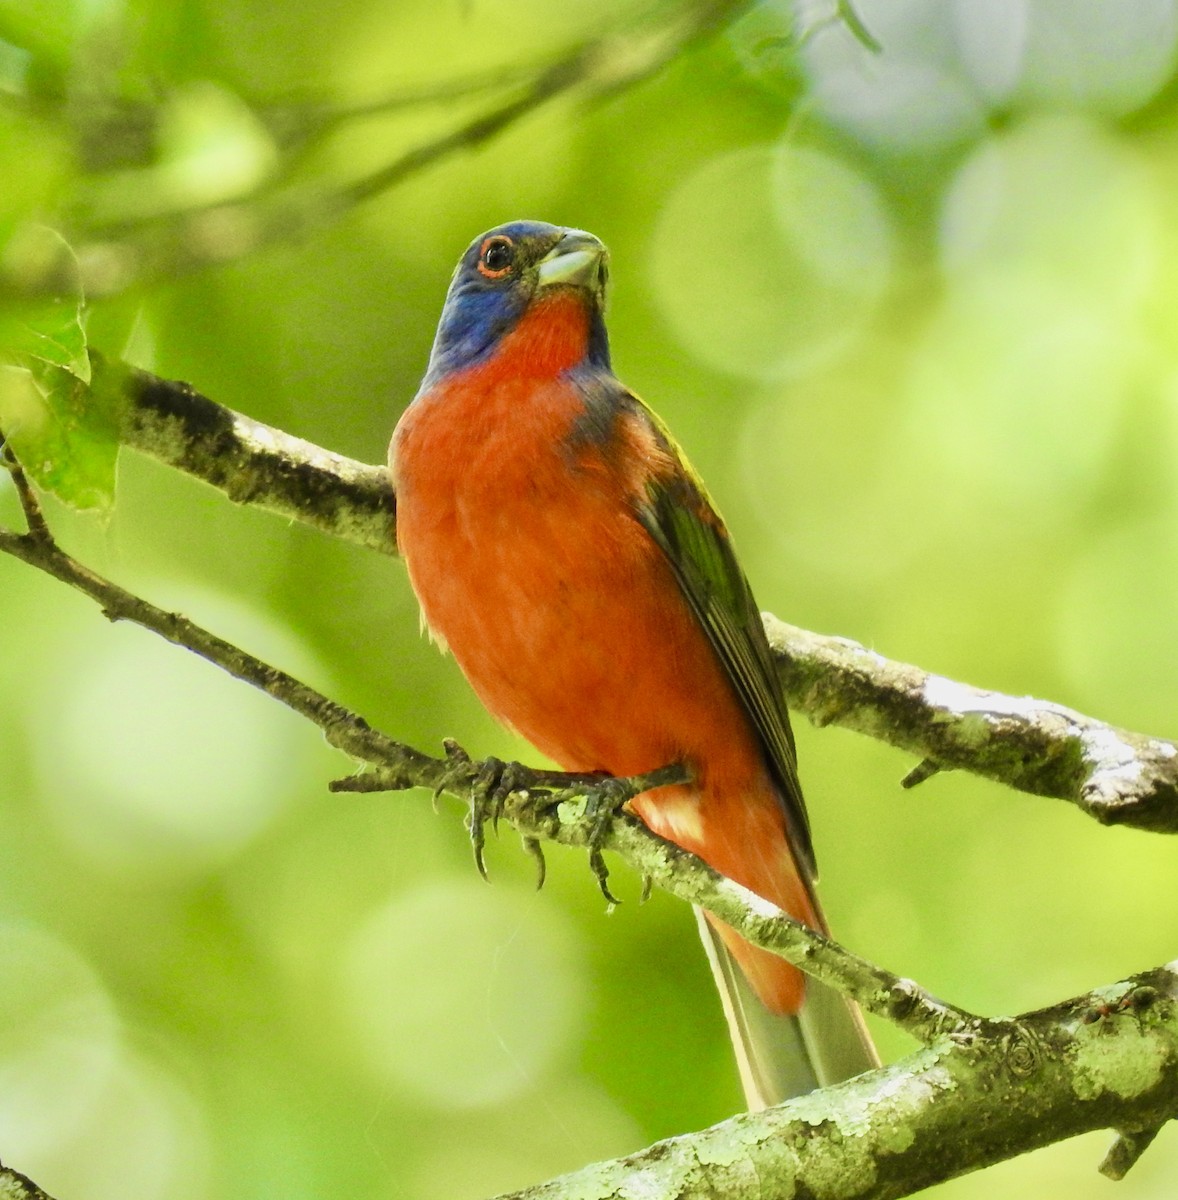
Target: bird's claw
{"type": "Point", "coordinates": [458, 765]}
{"type": "Point", "coordinates": [603, 805]}
{"type": "Point", "coordinates": [532, 846]}
{"type": "Point", "coordinates": [494, 781]}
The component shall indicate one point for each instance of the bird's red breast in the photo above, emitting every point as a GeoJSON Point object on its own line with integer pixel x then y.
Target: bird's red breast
{"type": "Point", "coordinates": [516, 519]}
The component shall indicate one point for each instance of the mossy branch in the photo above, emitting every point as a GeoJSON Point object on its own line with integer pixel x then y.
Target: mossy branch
{"type": "Point", "coordinates": [1101, 1060]}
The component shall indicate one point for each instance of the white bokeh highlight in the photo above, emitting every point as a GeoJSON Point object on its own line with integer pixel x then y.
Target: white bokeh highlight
{"type": "Point", "coordinates": [1056, 200]}
{"type": "Point", "coordinates": [1049, 242]}
{"type": "Point", "coordinates": [912, 96]}
{"type": "Point", "coordinates": [943, 69]}
{"type": "Point", "coordinates": [991, 39]}
{"type": "Point", "coordinates": [146, 1138]}
{"type": "Point", "coordinates": [1103, 56]}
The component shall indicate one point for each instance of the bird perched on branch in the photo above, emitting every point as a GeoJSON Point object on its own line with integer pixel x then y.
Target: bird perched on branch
{"type": "Point", "coordinates": [563, 549]}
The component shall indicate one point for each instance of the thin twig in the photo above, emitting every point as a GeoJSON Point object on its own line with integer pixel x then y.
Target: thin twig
{"type": "Point", "coordinates": [343, 729]}
{"type": "Point", "coordinates": [847, 14]}
{"type": "Point", "coordinates": [38, 530]}
{"type": "Point", "coordinates": [298, 125]}
{"type": "Point", "coordinates": [1127, 1148]}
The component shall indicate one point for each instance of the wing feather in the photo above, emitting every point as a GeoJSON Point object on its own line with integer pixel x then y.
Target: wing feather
{"type": "Point", "coordinates": [678, 514]}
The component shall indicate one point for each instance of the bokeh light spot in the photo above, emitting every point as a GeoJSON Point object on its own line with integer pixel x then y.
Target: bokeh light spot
{"type": "Point", "coordinates": [213, 145]}
{"type": "Point", "coordinates": [901, 105]}
{"type": "Point", "coordinates": [1014, 396]}
{"type": "Point", "coordinates": [1057, 198]}
{"type": "Point", "coordinates": [462, 995]}
{"type": "Point", "coordinates": [1105, 57]}
{"type": "Point", "coordinates": [914, 96]}
{"type": "Point", "coordinates": [569, 1122]}
{"type": "Point", "coordinates": [145, 1139]}
{"type": "Point", "coordinates": [841, 505]}
{"type": "Point", "coordinates": [153, 760]}
{"type": "Point", "coordinates": [59, 1041]}
{"type": "Point", "coordinates": [769, 259]}
{"type": "Point", "coordinates": [992, 41]}
{"type": "Point", "coordinates": [1017, 388]}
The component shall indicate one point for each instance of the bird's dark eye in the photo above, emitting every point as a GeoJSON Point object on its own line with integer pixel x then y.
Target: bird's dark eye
{"type": "Point", "coordinates": [496, 257]}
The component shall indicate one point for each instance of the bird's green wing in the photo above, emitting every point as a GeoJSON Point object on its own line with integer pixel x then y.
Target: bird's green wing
{"type": "Point", "coordinates": [679, 516]}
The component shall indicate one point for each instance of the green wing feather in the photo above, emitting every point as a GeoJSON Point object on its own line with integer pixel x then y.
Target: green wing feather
{"type": "Point", "coordinates": [679, 515]}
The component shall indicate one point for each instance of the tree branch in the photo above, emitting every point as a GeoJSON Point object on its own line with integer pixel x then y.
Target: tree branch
{"type": "Point", "coordinates": [249, 462]}
{"type": "Point", "coordinates": [1114, 775]}
{"type": "Point", "coordinates": [15, 1186]}
{"type": "Point", "coordinates": [1108, 1058]}
{"type": "Point", "coordinates": [551, 805]}
{"type": "Point", "coordinates": [688, 878]}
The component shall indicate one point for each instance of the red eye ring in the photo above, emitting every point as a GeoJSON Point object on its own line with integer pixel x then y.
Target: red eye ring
{"type": "Point", "coordinates": [496, 256]}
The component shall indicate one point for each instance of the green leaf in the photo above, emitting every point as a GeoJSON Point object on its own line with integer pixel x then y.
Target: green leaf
{"type": "Point", "coordinates": [53, 333]}
{"type": "Point", "coordinates": [53, 336]}
{"type": "Point", "coordinates": [64, 434]}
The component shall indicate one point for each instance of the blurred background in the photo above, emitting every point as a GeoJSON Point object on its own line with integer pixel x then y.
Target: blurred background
{"type": "Point", "coordinates": [914, 316]}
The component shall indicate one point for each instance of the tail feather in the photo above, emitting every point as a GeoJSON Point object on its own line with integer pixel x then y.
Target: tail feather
{"type": "Point", "coordinates": [782, 1056]}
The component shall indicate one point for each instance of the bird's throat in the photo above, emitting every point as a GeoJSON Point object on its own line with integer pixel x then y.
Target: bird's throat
{"type": "Point", "coordinates": [551, 337]}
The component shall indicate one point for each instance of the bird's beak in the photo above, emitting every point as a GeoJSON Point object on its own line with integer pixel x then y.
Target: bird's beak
{"type": "Point", "coordinates": [577, 260]}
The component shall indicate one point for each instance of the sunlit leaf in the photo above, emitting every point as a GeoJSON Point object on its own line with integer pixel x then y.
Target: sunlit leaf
{"type": "Point", "coordinates": [52, 332]}
{"type": "Point", "coordinates": [52, 336]}
{"type": "Point", "coordinates": [64, 439]}
{"type": "Point", "coordinates": [64, 433]}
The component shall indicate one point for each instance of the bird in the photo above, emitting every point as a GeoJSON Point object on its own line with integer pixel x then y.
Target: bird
{"type": "Point", "coordinates": [568, 556]}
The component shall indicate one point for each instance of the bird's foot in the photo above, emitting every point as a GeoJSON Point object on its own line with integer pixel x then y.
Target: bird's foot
{"type": "Point", "coordinates": [458, 767]}
{"type": "Point", "coordinates": [494, 781]}
{"type": "Point", "coordinates": [605, 802]}
{"type": "Point", "coordinates": [605, 796]}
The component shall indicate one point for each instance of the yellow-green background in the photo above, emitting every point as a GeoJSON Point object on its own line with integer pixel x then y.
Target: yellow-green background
{"type": "Point", "coordinates": [915, 318]}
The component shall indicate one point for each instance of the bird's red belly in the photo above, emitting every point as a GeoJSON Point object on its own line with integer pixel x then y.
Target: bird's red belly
{"type": "Point", "coordinates": [567, 620]}
{"type": "Point", "coordinates": [563, 616]}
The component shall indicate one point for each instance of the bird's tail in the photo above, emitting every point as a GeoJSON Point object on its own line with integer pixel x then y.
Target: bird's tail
{"type": "Point", "coordinates": [779, 1056]}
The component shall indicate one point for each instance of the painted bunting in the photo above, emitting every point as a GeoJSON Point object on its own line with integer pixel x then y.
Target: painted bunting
{"type": "Point", "coordinates": [569, 557]}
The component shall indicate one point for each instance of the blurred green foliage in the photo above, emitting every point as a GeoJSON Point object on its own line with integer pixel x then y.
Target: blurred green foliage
{"type": "Point", "coordinates": [913, 317]}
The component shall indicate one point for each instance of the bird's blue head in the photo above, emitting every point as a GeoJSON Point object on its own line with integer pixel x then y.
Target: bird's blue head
{"type": "Point", "coordinates": [498, 277]}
